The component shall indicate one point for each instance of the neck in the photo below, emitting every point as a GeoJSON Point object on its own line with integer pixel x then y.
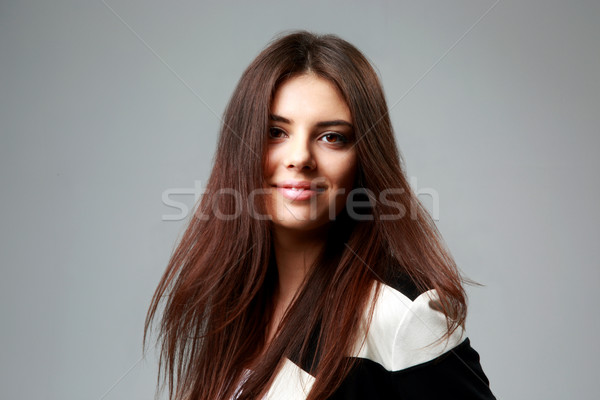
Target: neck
{"type": "Point", "coordinates": [295, 252]}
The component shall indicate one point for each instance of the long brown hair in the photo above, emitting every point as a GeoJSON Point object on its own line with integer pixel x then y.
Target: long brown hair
{"type": "Point", "coordinates": [218, 285]}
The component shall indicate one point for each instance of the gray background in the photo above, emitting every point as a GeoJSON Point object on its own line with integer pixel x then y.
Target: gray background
{"type": "Point", "coordinates": [105, 106]}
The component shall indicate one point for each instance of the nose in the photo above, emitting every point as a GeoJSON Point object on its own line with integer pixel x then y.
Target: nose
{"type": "Point", "coordinates": [299, 154]}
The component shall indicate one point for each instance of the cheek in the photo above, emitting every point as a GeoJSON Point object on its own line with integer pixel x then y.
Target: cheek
{"type": "Point", "coordinates": [351, 176]}
{"type": "Point", "coordinates": [269, 165]}
{"type": "Point", "coordinates": [343, 180]}
{"type": "Point", "coordinates": [347, 174]}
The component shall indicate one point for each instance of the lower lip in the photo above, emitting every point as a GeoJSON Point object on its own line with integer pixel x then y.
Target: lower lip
{"type": "Point", "coordinates": [302, 194]}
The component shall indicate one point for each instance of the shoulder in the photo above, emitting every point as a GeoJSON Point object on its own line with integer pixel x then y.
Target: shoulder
{"type": "Point", "coordinates": [400, 354]}
{"type": "Point", "coordinates": [404, 353]}
{"type": "Point", "coordinates": [405, 330]}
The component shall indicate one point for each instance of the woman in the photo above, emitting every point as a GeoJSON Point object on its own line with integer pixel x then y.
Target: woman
{"type": "Point", "coordinates": [310, 270]}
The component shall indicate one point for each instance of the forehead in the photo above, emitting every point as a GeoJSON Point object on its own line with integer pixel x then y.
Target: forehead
{"type": "Point", "coordinates": [310, 97]}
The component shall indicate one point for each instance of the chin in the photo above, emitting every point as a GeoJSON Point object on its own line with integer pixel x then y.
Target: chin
{"type": "Point", "coordinates": [292, 224]}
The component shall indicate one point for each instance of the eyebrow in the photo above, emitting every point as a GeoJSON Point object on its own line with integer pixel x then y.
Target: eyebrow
{"type": "Point", "coordinates": [321, 124]}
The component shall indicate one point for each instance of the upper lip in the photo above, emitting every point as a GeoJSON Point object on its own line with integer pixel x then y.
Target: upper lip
{"type": "Point", "coordinates": [299, 185]}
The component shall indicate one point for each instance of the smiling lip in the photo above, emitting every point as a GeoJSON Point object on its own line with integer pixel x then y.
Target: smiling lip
{"type": "Point", "coordinates": [299, 190]}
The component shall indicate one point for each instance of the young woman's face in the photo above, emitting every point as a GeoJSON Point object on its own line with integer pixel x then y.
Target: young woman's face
{"type": "Point", "coordinates": [310, 161]}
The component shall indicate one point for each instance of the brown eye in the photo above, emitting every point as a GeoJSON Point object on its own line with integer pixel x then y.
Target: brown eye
{"type": "Point", "coordinates": [335, 138]}
{"type": "Point", "coordinates": [276, 133]}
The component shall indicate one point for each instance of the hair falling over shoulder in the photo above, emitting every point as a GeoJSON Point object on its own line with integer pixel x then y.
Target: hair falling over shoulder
{"type": "Point", "coordinates": [217, 288]}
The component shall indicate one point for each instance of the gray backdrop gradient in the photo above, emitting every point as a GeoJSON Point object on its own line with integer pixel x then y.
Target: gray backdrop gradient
{"type": "Point", "coordinates": [106, 106]}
